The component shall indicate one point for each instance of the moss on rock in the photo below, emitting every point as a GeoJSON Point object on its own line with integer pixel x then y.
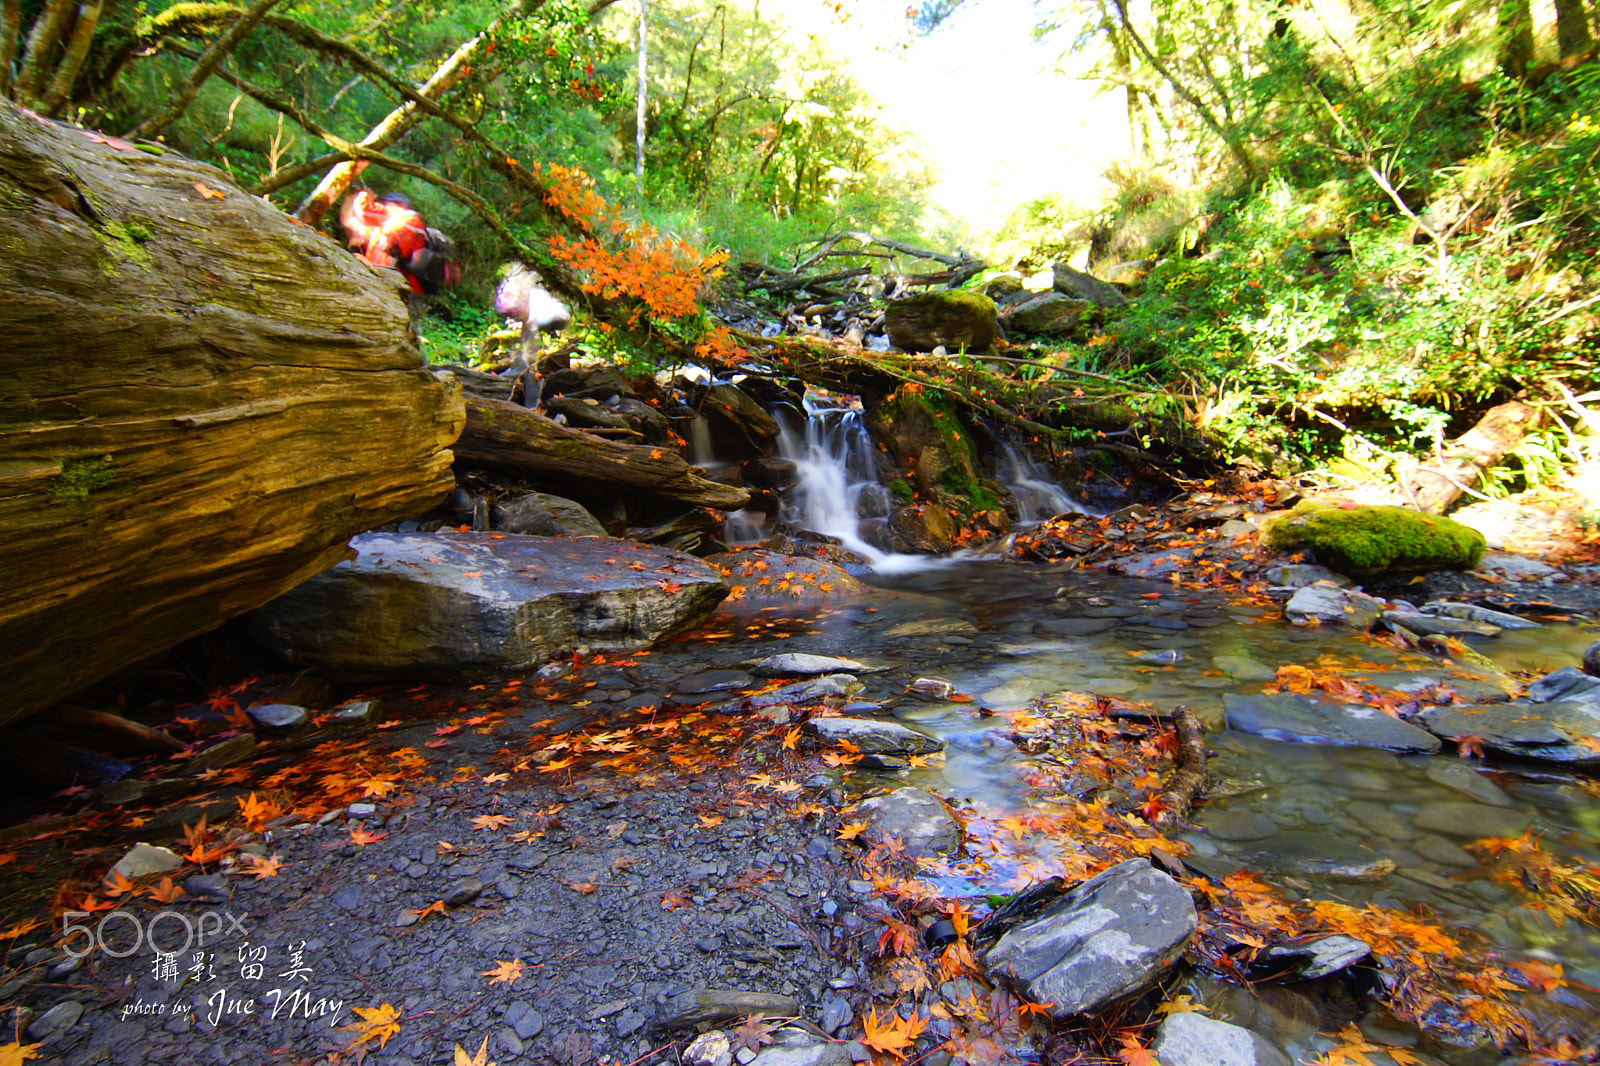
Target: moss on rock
{"type": "Point", "coordinates": [1370, 539]}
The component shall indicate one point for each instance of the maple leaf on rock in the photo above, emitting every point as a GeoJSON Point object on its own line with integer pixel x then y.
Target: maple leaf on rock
{"type": "Point", "coordinates": [504, 972]}
{"type": "Point", "coordinates": [480, 1059]}
{"type": "Point", "coordinates": [377, 1023]}
{"type": "Point", "coordinates": [752, 1033]}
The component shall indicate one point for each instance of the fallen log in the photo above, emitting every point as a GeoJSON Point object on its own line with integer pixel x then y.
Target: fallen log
{"type": "Point", "coordinates": [200, 402]}
{"type": "Point", "coordinates": [1433, 487]}
{"type": "Point", "coordinates": [507, 437]}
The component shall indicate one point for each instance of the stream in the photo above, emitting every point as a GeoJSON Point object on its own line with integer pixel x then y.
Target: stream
{"type": "Point", "coordinates": [1350, 824]}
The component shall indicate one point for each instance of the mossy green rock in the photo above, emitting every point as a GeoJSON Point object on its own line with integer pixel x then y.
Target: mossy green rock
{"type": "Point", "coordinates": [958, 321]}
{"type": "Point", "coordinates": [1370, 539]}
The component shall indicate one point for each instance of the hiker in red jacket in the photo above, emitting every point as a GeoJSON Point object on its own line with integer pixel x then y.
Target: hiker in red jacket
{"type": "Point", "coordinates": [385, 231]}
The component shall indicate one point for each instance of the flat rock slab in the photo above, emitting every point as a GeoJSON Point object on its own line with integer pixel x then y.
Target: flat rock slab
{"type": "Point", "coordinates": [1311, 854]}
{"type": "Point", "coordinates": [797, 664]}
{"type": "Point", "coordinates": [1326, 605]}
{"type": "Point", "coordinates": [715, 1005]}
{"type": "Point", "coordinates": [874, 735]}
{"type": "Point", "coordinates": [1304, 721]}
{"type": "Point", "coordinates": [1112, 936]}
{"type": "Point", "coordinates": [1563, 731]}
{"type": "Point", "coordinates": [420, 602]}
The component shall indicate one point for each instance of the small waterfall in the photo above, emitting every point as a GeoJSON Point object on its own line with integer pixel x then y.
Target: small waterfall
{"type": "Point", "coordinates": [837, 482]}
{"type": "Point", "coordinates": [1038, 498]}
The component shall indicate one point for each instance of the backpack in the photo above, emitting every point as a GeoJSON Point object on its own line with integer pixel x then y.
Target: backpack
{"type": "Point", "coordinates": [433, 262]}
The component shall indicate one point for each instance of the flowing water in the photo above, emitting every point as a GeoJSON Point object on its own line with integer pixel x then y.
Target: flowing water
{"type": "Point", "coordinates": [1303, 815]}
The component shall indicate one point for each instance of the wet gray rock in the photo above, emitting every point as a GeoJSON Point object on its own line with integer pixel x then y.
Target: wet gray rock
{"type": "Point", "coordinates": [413, 602]}
{"type": "Point", "coordinates": [1300, 575]}
{"type": "Point", "coordinates": [1454, 774]}
{"type": "Point", "coordinates": [543, 515]}
{"type": "Point", "coordinates": [1472, 821]}
{"type": "Point", "coordinates": [55, 1021]}
{"type": "Point", "coordinates": [1187, 1038]}
{"type": "Point", "coordinates": [833, 686]}
{"type": "Point", "coordinates": [1156, 564]}
{"type": "Point", "coordinates": [463, 892]}
{"type": "Point", "coordinates": [709, 1049]}
{"type": "Point", "coordinates": [874, 735]}
{"type": "Point", "coordinates": [1313, 854]}
{"type": "Point", "coordinates": [710, 681]}
{"type": "Point", "coordinates": [798, 665]}
{"type": "Point", "coordinates": [1236, 825]}
{"type": "Point", "coordinates": [1591, 658]}
{"type": "Point", "coordinates": [797, 1047]}
{"type": "Point", "coordinates": [1303, 720]}
{"type": "Point", "coordinates": [147, 860]}
{"type": "Point", "coordinates": [1567, 683]}
{"type": "Point", "coordinates": [1439, 625]}
{"type": "Point", "coordinates": [709, 1005]}
{"type": "Point", "coordinates": [1562, 731]}
{"type": "Point", "coordinates": [1106, 939]}
{"type": "Point", "coordinates": [1449, 609]}
{"type": "Point", "coordinates": [278, 717]}
{"type": "Point", "coordinates": [1324, 605]}
{"type": "Point", "coordinates": [836, 1013]}
{"type": "Point", "coordinates": [1243, 668]}
{"type": "Point", "coordinates": [524, 1020]}
{"type": "Point", "coordinates": [1310, 959]}
{"type": "Point", "coordinates": [920, 820]}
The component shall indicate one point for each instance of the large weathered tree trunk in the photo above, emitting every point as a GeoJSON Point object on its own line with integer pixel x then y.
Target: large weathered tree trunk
{"type": "Point", "coordinates": [508, 437]}
{"type": "Point", "coordinates": [200, 401]}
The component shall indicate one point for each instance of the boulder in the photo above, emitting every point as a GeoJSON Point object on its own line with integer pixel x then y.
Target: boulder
{"type": "Point", "coordinates": [1306, 721]}
{"type": "Point", "coordinates": [799, 664]}
{"type": "Point", "coordinates": [1108, 938]}
{"type": "Point", "coordinates": [873, 735]}
{"type": "Point", "coordinates": [201, 401]}
{"type": "Point", "coordinates": [920, 820]}
{"type": "Point", "coordinates": [1357, 540]}
{"type": "Point", "coordinates": [765, 578]}
{"type": "Point", "coordinates": [1327, 605]}
{"type": "Point", "coordinates": [543, 515]}
{"type": "Point", "coordinates": [1561, 731]}
{"type": "Point", "coordinates": [964, 321]}
{"type": "Point", "coordinates": [1049, 312]}
{"type": "Point", "coordinates": [413, 603]}
{"type": "Point", "coordinates": [1187, 1038]}
{"type": "Point", "coordinates": [1079, 285]}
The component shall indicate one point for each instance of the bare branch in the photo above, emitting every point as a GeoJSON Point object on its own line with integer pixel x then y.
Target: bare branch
{"type": "Point", "coordinates": [220, 49]}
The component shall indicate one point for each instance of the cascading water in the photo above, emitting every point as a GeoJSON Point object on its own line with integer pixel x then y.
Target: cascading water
{"type": "Point", "coordinates": [838, 489]}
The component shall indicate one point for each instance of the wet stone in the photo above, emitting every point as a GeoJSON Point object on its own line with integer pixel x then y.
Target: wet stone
{"type": "Point", "coordinates": [714, 681]}
{"type": "Point", "coordinates": [1453, 774]}
{"type": "Point", "coordinates": [1318, 855]}
{"type": "Point", "coordinates": [1441, 851]}
{"type": "Point", "coordinates": [1237, 825]}
{"type": "Point", "coordinates": [524, 1020]}
{"type": "Point", "coordinates": [1472, 820]}
{"type": "Point", "coordinates": [463, 892]}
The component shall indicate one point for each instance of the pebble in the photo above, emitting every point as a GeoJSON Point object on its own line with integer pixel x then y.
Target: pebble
{"type": "Point", "coordinates": [526, 1022]}
{"type": "Point", "coordinates": [57, 1019]}
{"type": "Point", "coordinates": [463, 892]}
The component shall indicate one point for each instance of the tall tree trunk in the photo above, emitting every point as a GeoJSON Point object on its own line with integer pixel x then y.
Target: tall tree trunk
{"type": "Point", "coordinates": [77, 50]}
{"type": "Point", "coordinates": [1515, 18]}
{"type": "Point", "coordinates": [1572, 28]}
{"type": "Point", "coordinates": [10, 27]}
{"type": "Point", "coordinates": [42, 40]}
{"type": "Point", "coordinates": [639, 106]}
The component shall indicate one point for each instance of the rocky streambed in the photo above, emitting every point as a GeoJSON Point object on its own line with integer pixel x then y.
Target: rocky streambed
{"type": "Point", "coordinates": [596, 859]}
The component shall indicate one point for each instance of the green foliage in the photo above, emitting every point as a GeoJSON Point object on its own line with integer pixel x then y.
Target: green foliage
{"type": "Point", "coordinates": [1366, 539]}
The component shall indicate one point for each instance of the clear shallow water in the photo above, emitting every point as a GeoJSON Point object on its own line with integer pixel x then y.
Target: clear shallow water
{"type": "Point", "coordinates": [1007, 633]}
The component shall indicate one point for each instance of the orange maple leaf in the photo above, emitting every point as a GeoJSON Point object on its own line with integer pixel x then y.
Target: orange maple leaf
{"type": "Point", "coordinates": [166, 891]}
{"type": "Point", "coordinates": [1134, 1053]}
{"type": "Point", "coordinates": [893, 1034]}
{"type": "Point", "coordinates": [362, 838]}
{"type": "Point", "coordinates": [377, 1023]}
{"type": "Point", "coordinates": [490, 821]}
{"type": "Point", "coordinates": [436, 907]}
{"type": "Point", "coordinates": [262, 866]}
{"type": "Point", "coordinates": [504, 972]}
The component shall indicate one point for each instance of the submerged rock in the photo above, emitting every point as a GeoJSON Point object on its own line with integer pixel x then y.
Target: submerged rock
{"type": "Point", "coordinates": [412, 603]}
{"type": "Point", "coordinates": [1302, 720]}
{"type": "Point", "coordinates": [1106, 939]}
{"type": "Point", "coordinates": [920, 820]}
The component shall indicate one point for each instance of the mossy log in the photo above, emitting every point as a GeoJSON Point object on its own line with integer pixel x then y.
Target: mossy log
{"type": "Point", "coordinates": [201, 402]}
{"type": "Point", "coordinates": [507, 437]}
